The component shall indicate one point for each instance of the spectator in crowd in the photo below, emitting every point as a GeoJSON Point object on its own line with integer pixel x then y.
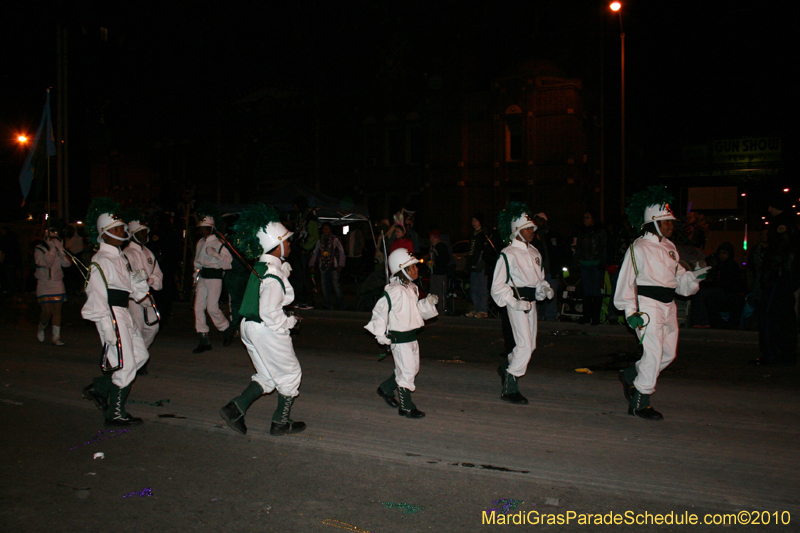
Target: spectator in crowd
{"type": "Point", "coordinates": [723, 290]}
{"type": "Point", "coordinates": [480, 255]}
{"type": "Point", "coordinates": [354, 247]}
{"type": "Point", "coordinates": [399, 239]}
{"type": "Point", "coordinates": [408, 223]}
{"type": "Point", "coordinates": [548, 242]}
{"type": "Point", "coordinates": [328, 256]}
{"type": "Point", "coordinates": [306, 230]}
{"type": "Point", "coordinates": [440, 268]}
{"type": "Point", "coordinates": [590, 254]}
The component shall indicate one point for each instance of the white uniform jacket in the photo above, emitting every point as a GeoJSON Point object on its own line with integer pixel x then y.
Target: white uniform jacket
{"type": "Point", "coordinates": [525, 264]}
{"type": "Point", "coordinates": [142, 258]}
{"type": "Point", "coordinates": [272, 298]}
{"type": "Point", "coordinates": [118, 274]}
{"type": "Point", "coordinates": [49, 261]}
{"type": "Point", "coordinates": [221, 258]}
{"type": "Point", "coordinates": [408, 311]}
{"type": "Point", "coordinates": [657, 263]}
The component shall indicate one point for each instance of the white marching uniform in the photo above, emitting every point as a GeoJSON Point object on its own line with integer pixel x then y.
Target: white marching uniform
{"type": "Point", "coordinates": [657, 263]}
{"type": "Point", "coordinates": [207, 291]}
{"type": "Point", "coordinates": [119, 275]}
{"type": "Point", "coordinates": [526, 272]}
{"type": "Point", "coordinates": [50, 259]}
{"type": "Point", "coordinates": [408, 313]}
{"type": "Point", "coordinates": [269, 342]}
{"type": "Point", "coordinates": [141, 258]}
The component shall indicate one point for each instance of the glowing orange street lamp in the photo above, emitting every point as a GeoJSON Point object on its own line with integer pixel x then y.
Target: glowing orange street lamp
{"type": "Point", "coordinates": [22, 139]}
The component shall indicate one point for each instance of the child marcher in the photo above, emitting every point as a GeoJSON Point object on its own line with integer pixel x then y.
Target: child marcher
{"type": "Point", "coordinates": [518, 283]}
{"type": "Point", "coordinates": [50, 291]}
{"type": "Point", "coordinates": [265, 326]}
{"type": "Point", "coordinates": [396, 318]}
{"type": "Point", "coordinates": [650, 276]}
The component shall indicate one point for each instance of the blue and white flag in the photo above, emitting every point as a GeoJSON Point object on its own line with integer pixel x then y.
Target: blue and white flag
{"type": "Point", "coordinates": [36, 163]}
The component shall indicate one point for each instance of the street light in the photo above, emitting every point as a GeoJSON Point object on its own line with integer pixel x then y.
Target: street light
{"type": "Point", "coordinates": [22, 139]}
{"type": "Point", "coordinates": [617, 8]}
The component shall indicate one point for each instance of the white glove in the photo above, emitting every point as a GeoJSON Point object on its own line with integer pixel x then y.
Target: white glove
{"type": "Point", "coordinates": [701, 273]}
{"type": "Point", "coordinates": [520, 305]}
{"type": "Point", "coordinates": [139, 276]}
{"type": "Point", "coordinates": [433, 299]}
{"type": "Point", "coordinates": [212, 252]}
{"type": "Point", "coordinates": [291, 322]}
{"type": "Point", "coordinates": [544, 291]}
{"type": "Point", "coordinates": [109, 335]}
{"type": "Point", "coordinates": [382, 339]}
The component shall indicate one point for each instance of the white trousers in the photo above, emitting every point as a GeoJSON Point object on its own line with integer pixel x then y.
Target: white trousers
{"type": "Point", "coordinates": [273, 357]}
{"type": "Point", "coordinates": [660, 342]}
{"type": "Point", "coordinates": [406, 364]}
{"type": "Point", "coordinates": [206, 298]}
{"type": "Point", "coordinates": [134, 351]}
{"type": "Point", "coordinates": [137, 312]}
{"type": "Point", "coordinates": [525, 326]}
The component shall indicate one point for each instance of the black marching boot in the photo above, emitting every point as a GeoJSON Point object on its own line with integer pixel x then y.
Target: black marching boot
{"type": "Point", "coordinates": [626, 377]}
{"type": "Point", "coordinates": [205, 344]}
{"type": "Point", "coordinates": [386, 391]}
{"type": "Point", "coordinates": [97, 392]}
{"type": "Point", "coordinates": [227, 335]}
{"type": "Point", "coordinates": [407, 407]}
{"type": "Point", "coordinates": [281, 423]}
{"type": "Point", "coordinates": [116, 415]}
{"type": "Point", "coordinates": [511, 392]}
{"type": "Point", "coordinates": [640, 406]}
{"type": "Point", "coordinates": [233, 413]}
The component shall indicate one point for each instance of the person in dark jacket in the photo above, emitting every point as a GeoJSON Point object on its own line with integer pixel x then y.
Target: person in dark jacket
{"type": "Point", "coordinates": [780, 279]}
{"type": "Point", "coordinates": [480, 255]}
{"type": "Point", "coordinates": [590, 254]}
{"type": "Point", "coordinates": [723, 290]}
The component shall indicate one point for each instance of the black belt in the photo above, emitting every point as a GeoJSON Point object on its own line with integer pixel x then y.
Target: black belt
{"type": "Point", "coordinates": [526, 293]}
{"type": "Point", "coordinates": [402, 337]}
{"type": "Point", "coordinates": [118, 298]}
{"type": "Point", "coordinates": [211, 273]}
{"type": "Point", "coordinates": [662, 294]}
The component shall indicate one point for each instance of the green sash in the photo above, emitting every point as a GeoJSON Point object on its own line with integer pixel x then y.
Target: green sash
{"type": "Point", "coordinates": [249, 307]}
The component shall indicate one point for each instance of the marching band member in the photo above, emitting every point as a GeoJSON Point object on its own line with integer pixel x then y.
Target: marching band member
{"type": "Point", "coordinates": [518, 283]}
{"type": "Point", "coordinates": [265, 326]}
{"type": "Point", "coordinates": [396, 318]}
{"type": "Point", "coordinates": [112, 282]}
{"type": "Point", "coordinates": [649, 278]}
{"type": "Point", "coordinates": [211, 259]}
{"type": "Point", "coordinates": [50, 292]}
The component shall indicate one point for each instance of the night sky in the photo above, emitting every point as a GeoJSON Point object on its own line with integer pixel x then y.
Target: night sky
{"type": "Point", "coordinates": [694, 70]}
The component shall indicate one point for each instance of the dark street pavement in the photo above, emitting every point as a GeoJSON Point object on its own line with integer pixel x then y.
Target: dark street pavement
{"type": "Point", "coordinates": [728, 443]}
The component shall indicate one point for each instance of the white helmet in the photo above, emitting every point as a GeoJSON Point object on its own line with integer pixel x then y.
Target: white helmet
{"type": "Point", "coordinates": [273, 235]}
{"type": "Point", "coordinates": [134, 227]}
{"type": "Point", "coordinates": [400, 259]}
{"type": "Point", "coordinates": [656, 212]}
{"type": "Point", "coordinates": [525, 221]}
{"type": "Point", "coordinates": [105, 222]}
{"type": "Point", "coordinates": [207, 222]}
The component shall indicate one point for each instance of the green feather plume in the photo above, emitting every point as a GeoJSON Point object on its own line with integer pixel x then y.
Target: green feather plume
{"type": "Point", "coordinates": [653, 195]}
{"type": "Point", "coordinates": [509, 214]}
{"type": "Point", "coordinates": [251, 220]}
{"type": "Point", "coordinates": [99, 205]}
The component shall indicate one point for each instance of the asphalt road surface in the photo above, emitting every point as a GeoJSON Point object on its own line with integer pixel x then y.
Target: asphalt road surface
{"type": "Point", "coordinates": [727, 449]}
